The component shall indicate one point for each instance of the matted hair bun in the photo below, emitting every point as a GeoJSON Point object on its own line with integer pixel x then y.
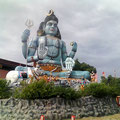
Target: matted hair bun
{"type": "Point", "coordinates": [51, 16]}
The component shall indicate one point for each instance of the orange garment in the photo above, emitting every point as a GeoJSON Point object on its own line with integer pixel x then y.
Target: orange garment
{"type": "Point", "coordinates": [82, 87]}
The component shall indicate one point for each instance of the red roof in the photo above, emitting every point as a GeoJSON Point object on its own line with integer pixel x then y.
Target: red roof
{"type": "Point", "coordinates": [10, 64]}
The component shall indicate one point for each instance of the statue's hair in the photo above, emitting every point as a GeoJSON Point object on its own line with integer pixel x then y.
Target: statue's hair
{"type": "Point", "coordinates": [50, 16]}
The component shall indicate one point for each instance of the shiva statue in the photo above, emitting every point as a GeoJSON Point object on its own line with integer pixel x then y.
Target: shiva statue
{"type": "Point", "coordinates": [49, 52]}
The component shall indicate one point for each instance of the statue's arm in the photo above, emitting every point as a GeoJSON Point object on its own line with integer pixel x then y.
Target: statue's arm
{"type": "Point", "coordinates": [25, 37]}
{"type": "Point", "coordinates": [32, 48]}
{"type": "Point", "coordinates": [29, 50]}
{"type": "Point", "coordinates": [64, 53]}
{"type": "Point", "coordinates": [74, 49]}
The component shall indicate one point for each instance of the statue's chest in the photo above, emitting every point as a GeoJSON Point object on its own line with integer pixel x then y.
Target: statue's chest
{"type": "Point", "coordinates": [54, 43]}
{"type": "Point", "coordinates": [53, 47]}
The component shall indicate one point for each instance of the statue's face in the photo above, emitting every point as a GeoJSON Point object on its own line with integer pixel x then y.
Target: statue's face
{"type": "Point", "coordinates": [51, 28]}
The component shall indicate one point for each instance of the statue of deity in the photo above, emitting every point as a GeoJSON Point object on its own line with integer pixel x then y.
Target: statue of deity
{"type": "Point", "coordinates": [48, 50]}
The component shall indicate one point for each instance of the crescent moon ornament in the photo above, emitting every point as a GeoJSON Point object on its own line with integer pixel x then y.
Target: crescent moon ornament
{"type": "Point", "coordinates": [50, 13]}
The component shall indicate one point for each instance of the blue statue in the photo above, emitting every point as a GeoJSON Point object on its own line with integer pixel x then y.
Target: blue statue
{"type": "Point", "coordinates": [49, 51]}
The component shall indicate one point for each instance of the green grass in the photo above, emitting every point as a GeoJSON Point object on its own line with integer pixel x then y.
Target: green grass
{"type": "Point", "coordinates": [110, 117]}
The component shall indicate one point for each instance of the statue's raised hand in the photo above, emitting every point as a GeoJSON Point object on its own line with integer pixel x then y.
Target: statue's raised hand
{"type": "Point", "coordinates": [42, 50]}
{"type": "Point", "coordinates": [69, 63]}
{"type": "Point", "coordinates": [26, 33]}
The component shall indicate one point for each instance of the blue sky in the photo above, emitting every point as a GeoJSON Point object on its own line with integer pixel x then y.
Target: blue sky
{"type": "Point", "coordinates": [93, 24]}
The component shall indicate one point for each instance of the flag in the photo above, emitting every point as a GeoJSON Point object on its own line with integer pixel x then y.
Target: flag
{"type": "Point", "coordinates": [103, 74]}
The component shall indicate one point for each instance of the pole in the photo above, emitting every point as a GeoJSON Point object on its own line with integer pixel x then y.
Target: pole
{"type": "Point", "coordinates": [115, 73]}
{"type": "Point", "coordinates": [29, 24]}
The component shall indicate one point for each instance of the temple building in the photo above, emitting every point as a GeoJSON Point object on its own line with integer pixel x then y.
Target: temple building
{"type": "Point", "coordinates": [6, 66]}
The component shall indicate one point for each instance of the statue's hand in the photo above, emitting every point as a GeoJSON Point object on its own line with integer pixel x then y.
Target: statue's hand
{"type": "Point", "coordinates": [25, 35]}
{"type": "Point", "coordinates": [42, 51]}
{"type": "Point", "coordinates": [69, 62]}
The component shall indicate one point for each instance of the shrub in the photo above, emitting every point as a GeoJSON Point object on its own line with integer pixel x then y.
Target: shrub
{"type": "Point", "coordinates": [67, 93]}
{"type": "Point", "coordinates": [4, 89]}
{"type": "Point", "coordinates": [98, 90]}
{"type": "Point", "coordinates": [41, 89]}
{"type": "Point", "coordinates": [35, 90]}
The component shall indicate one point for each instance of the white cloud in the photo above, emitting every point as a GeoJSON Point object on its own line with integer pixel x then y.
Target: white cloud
{"type": "Point", "coordinates": [94, 25]}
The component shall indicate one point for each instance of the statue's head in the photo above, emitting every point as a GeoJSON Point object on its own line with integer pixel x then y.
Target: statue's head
{"type": "Point", "coordinates": [49, 26]}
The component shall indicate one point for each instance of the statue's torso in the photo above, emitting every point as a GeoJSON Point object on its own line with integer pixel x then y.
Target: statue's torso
{"type": "Point", "coordinates": [54, 46]}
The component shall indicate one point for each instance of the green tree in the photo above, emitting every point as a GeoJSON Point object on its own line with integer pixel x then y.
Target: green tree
{"type": "Point", "coordinates": [83, 67]}
{"type": "Point", "coordinates": [113, 82]}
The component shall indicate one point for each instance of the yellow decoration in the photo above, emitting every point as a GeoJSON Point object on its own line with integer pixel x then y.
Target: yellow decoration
{"type": "Point", "coordinates": [51, 11]}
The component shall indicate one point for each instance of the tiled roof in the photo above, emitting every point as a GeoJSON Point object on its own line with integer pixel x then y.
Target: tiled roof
{"type": "Point", "coordinates": [10, 64]}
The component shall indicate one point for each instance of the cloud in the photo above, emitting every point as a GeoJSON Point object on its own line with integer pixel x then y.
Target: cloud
{"type": "Point", "coordinates": [94, 25]}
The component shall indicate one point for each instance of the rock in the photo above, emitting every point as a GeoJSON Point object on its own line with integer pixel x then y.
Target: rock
{"type": "Point", "coordinates": [96, 114]}
{"type": "Point", "coordinates": [56, 108]}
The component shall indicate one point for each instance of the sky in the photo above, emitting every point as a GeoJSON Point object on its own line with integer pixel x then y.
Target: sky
{"type": "Point", "coordinates": [93, 24]}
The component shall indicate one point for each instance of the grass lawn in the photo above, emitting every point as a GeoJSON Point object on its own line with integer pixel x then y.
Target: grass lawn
{"type": "Point", "coordinates": [110, 117]}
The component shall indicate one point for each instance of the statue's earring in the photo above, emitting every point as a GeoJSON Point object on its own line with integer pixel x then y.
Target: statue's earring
{"type": "Point", "coordinates": [41, 29]}
{"type": "Point", "coordinates": [40, 32]}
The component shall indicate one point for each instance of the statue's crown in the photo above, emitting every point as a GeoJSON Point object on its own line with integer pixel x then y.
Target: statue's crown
{"type": "Point", "coordinates": [51, 16]}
